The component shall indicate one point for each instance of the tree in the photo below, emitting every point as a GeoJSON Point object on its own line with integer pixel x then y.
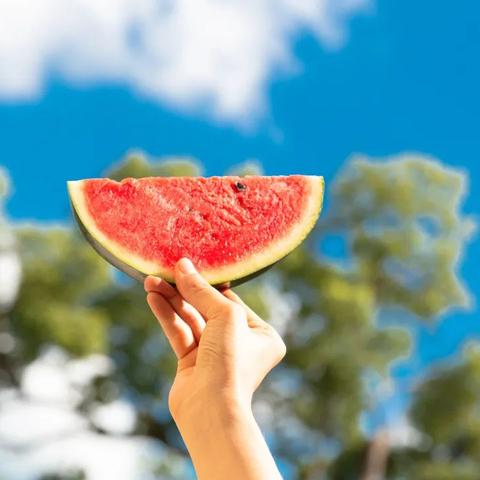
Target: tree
{"type": "Point", "coordinates": [402, 224]}
{"type": "Point", "coordinates": [445, 410]}
{"type": "Point", "coordinates": [403, 227]}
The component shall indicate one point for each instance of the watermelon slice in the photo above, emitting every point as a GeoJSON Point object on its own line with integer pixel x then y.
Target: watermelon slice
{"type": "Point", "coordinates": [230, 227]}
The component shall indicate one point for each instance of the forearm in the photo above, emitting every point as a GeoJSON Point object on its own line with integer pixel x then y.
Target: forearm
{"type": "Point", "coordinates": [224, 441]}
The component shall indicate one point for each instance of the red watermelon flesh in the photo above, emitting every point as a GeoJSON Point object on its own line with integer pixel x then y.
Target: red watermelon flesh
{"type": "Point", "coordinates": [228, 226]}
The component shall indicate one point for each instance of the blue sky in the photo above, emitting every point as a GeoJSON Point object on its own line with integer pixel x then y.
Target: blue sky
{"type": "Point", "coordinates": [405, 77]}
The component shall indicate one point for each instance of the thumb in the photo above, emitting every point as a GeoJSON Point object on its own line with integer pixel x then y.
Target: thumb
{"type": "Point", "coordinates": [198, 292]}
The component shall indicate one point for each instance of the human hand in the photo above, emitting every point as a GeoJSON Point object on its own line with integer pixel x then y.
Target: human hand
{"type": "Point", "coordinates": [224, 349]}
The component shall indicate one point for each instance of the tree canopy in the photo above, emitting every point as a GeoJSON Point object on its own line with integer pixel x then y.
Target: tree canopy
{"type": "Point", "coordinates": [403, 229]}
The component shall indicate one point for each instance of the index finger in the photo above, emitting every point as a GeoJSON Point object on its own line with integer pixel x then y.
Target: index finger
{"type": "Point", "coordinates": [178, 333]}
{"type": "Point", "coordinates": [197, 291]}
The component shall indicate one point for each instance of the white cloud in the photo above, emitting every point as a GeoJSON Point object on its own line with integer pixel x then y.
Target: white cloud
{"type": "Point", "coordinates": [42, 431]}
{"type": "Point", "coordinates": [216, 55]}
{"type": "Point", "coordinates": [101, 457]}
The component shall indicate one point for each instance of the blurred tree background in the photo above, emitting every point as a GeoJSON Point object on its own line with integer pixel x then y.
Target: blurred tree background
{"type": "Point", "coordinates": [401, 224]}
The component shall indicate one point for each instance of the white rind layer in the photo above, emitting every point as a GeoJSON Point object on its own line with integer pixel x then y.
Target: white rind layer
{"type": "Point", "coordinates": [251, 264]}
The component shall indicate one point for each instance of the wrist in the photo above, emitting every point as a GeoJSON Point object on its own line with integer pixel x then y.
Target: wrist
{"type": "Point", "coordinates": [224, 440]}
{"type": "Point", "coordinates": [212, 409]}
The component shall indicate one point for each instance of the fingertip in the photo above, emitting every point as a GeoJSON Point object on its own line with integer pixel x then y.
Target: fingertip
{"type": "Point", "coordinates": [159, 304]}
{"type": "Point", "coordinates": [185, 266]}
{"type": "Point", "coordinates": [231, 295]}
{"type": "Point", "coordinates": [151, 301]}
{"type": "Point", "coordinates": [185, 271]}
{"type": "Point", "coordinates": [161, 286]}
{"type": "Point", "coordinates": [196, 290]}
{"type": "Point", "coordinates": [151, 283]}
{"type": "Point", "coordinates": [151, 297]}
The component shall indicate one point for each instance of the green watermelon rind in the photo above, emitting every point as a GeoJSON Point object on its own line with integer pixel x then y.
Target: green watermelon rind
{"type": "Point", "coordinates": [139, 268]}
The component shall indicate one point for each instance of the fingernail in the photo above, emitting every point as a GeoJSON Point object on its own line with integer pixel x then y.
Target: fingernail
{"type": "Point", "coordinates": [186, 266]}
{"type": "Point", "coordinates": [151, 282]}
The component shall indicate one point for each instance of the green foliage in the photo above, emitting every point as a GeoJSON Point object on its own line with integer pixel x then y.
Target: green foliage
{"type": "Point", "coordinates": [349, 463]}
{"type": "Point", "coordinates": [67, 475]}
{"type": "Point", "coordinates": [429, 464]}
{"type": "Point", "coordinates": [385, 212]}
{"type": "Point", "coordinates": [3, 184]}
{"type": "Point", "coordinates": [137, 165]}
{"type": "Point", "coordinates": [446, 415]}
{"type": "Point", "coordinates": [138, 345]}
{"type": "Point", "coordinates": [405, 229]}
{"type": "Point", "coordinates": [445, 470]}
{"type": "Point", "coordinates": [4, 191]}
{"type": "Point", "coordinates": [62, 277]}
{"type": "Point", "coordinates": [403, 225]}
{"type": "Point", "coordinates": [338, 311]}
{"type": "Point", "coordinates": [250, 167]}
{"type": "Point", "coordinates": [446, 407]}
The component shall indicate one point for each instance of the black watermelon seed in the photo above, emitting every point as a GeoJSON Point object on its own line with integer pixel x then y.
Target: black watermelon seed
{"type": "Point", "coordinates": [240, 186]}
